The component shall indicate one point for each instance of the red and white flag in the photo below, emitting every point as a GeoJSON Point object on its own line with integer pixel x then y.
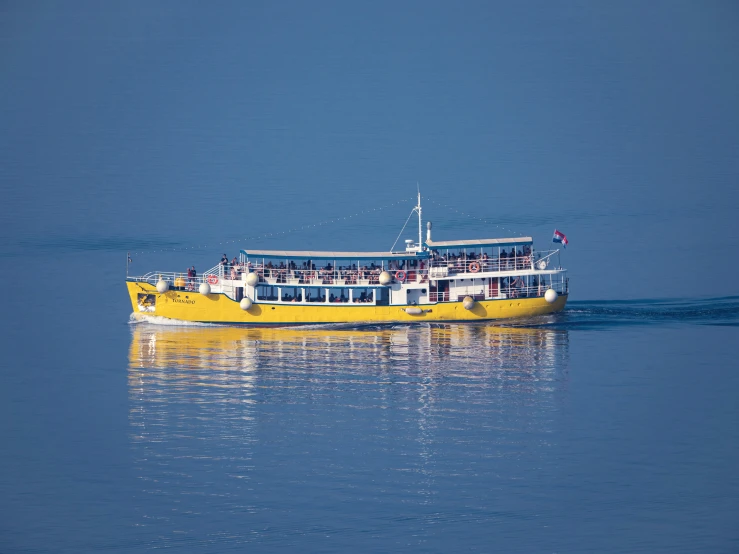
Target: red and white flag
{"type": "Point", "coordinates": [560, 237]}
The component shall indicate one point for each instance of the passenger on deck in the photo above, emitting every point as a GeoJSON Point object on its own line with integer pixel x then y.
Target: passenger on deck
{"type": "Point", "coordinates": [224, 263]}
{"type": "Point", "coordinates": [516, 286]}
{"type": "Point", "coordinates": [191, 278]}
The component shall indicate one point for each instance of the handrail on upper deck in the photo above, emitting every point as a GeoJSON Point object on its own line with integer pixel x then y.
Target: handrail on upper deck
{"type": "Point", "coordinates": [364, 276]}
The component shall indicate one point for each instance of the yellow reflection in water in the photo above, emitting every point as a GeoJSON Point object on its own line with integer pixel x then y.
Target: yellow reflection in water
{"type": "Point", "coordinates": [233, 348]}
{"type": "Point", "coordinates": [228, 397]}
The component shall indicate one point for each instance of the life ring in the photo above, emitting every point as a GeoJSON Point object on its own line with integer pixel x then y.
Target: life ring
{"type": "Point", "coordinates": [212, 279]}
{"type": "Point", "coordinates": [474, 267]}
{"type": "Point", "coordinates": [400, 275]}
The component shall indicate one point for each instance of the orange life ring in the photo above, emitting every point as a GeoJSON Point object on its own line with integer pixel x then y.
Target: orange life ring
{"type": "Point", "coordinates": [212, 279]}
{"type": "Point", "coordinates": [474, 267]}
{"type": "Point", "coordinates": [400, 275]}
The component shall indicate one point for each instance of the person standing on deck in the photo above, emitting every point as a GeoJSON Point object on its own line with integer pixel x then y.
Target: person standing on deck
{"type": "Point", "coordinates": [191, 275]}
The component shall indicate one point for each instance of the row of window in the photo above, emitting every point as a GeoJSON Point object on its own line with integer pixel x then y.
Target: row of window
{"type": "Point", "coordinates": [271, 293]}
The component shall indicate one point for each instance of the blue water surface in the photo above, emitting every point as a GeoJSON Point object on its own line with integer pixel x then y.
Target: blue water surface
{"type": "Point", "coordinates": [178, 132]}
{"type": "Point", "coordinates": [608, 427]}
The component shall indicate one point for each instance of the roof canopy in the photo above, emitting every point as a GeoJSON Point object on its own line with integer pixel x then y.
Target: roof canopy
{"type": "Point", "coordinates": [319, 255]}
{"type": "Point", "coordinates": [479, 243]}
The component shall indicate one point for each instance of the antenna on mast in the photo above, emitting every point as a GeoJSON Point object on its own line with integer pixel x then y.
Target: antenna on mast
{"type": "Point", "coordinates": [409, 243]}
{"type": "Point", "coordinates": [420, 226]}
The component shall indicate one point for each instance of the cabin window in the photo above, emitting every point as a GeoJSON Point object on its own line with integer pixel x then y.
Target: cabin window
{"type": "Point", "coordinates": [314, 294]}
{"type": "Point", "coordinates": [362, 296]}
{"type": "Point", "coordinates": [266, 292]}
{"type": "Point", "coordinates": [338, 296]}
{"type": "Point", "coordinates": [291, 294]}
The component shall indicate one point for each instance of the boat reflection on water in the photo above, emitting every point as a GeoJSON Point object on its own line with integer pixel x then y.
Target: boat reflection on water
{"type": "Point", "coordinates": [236, 416]}
{"type": "Point", "coordinates": [172, 367]}
{"type": "Point", "coordinates": [230, 354]}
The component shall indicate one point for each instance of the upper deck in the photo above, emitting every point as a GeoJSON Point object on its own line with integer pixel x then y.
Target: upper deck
{"type": "Point", "coordinates": [443, 277]}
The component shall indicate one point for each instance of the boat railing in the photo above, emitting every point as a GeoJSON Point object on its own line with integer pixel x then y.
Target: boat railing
{"type": "Point", "coordinates": [533, 291]}
{"type": "Point", "coordinates": [351, 276]}
{"type": "Point", "coordinates": [440, 268]}
{"type": "Point", "coordinates": [174, 279]}
{"type": "Point", "coordinates": [504, 292]}
{"type": "Point", "coordinates": [509, 288]}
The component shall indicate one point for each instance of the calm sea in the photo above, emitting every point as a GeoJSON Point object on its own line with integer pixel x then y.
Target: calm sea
{"type": "Point", "coordinates": [180, 131]}
{"type": "Point", "coordinates": [610, 427]}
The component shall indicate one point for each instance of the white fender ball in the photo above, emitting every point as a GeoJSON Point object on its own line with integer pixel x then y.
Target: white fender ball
{"type": "Point", "coordinates": [204, 289]}
{"type": "Point", "coordinates": [468, 302]}
{"type": "Point", "coordinates": [550, 296]}
{"type": "Point", "coordinates": [385, 278]}
{"type": "Point", "coordinates": [414, 311]}
{"type": "Point", "coordinates": [252, 279]}
{"type": "Point", "coordinates": [162, 286]}
{"type": "Point", "coordinates": [245, 303]}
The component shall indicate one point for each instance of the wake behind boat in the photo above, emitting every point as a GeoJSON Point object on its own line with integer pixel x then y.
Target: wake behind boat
{"type": "Point", "coordinates": [431, 281]}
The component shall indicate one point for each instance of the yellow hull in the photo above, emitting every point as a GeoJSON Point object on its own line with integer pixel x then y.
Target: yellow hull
{"type": "Point", "coordinates": [219, 308]}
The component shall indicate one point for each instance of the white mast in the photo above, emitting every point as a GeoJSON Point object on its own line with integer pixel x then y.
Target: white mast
{"type": "Point", "coordinates": [419, 247]}
{"type": "Point", "coordinates": [420, 227]}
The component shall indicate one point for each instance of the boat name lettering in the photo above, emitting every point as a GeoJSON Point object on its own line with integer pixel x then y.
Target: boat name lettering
{"type": "Point", "coordinates": [183, 301]}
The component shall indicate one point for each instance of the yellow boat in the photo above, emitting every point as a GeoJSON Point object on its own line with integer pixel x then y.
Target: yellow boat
{"type": "Point", "coordinates": [428, 281]}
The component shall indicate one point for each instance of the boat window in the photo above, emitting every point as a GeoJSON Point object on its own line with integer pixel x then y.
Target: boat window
{"type": "Point", "coordinates": [266, 292]}
{"type": "Point", "coordinates": [314, 294]}
{"type": "Point", "coordinates": [362, 296]}
{"type": "Point", "coordinates": [291, 294]}
{"type": "Point", "coordinates": [338, 296]}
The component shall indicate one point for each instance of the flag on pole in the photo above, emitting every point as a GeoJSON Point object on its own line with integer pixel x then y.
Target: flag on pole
{"type": "Point", "coordinates": [129, 258]}
{"type": "Point", "coordinates": [560, 237]}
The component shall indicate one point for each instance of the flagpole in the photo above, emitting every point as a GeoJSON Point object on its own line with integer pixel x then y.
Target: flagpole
{"type": "Point", "coordinates": [128, 260]}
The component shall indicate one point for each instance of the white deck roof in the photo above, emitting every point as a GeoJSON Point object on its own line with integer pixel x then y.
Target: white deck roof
{"type": "Point", "coordinates": [478, 243]}
{"type": "Point", "coordinates": [330, 255]}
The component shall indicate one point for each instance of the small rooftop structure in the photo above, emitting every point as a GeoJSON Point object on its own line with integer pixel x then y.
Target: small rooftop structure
{"type": "Point", "coordinates": [479, 243]}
